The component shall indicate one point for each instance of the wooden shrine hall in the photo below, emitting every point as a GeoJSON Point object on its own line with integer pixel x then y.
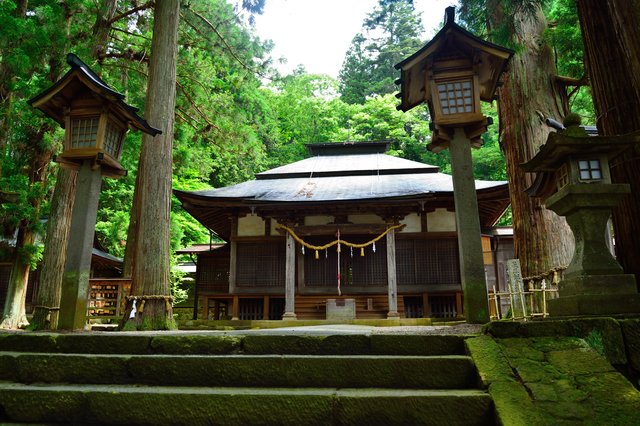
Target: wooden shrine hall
{"type": "Point", "coordinates": [397, 253]}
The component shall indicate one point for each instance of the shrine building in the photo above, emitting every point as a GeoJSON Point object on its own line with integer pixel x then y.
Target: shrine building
{"type": "Point", "coordinates": [395, 219]}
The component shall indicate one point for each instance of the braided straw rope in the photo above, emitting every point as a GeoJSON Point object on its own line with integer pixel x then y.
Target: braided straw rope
{"type": "Point", "coordinates": [333, 243]}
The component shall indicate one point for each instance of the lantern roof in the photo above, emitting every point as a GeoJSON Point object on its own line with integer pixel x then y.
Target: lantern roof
{"type": "Point", "coordinates": [560, 146]}
{"type": "Point", "coordinates": [79, 81]}
{"type": "Point", "coordinates": [451, 44]}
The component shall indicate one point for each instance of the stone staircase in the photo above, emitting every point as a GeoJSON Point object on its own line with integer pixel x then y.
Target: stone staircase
{"type": "Point", "coordinates": [239, 379]}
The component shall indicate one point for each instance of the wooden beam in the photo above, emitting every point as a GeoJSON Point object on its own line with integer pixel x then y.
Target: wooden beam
{"type": "Point", "coordinates": [290, 279]}
{"type": "Point", "coordinates": [236, 308]}
{"type": "Point", "coordinates": [303, 231]}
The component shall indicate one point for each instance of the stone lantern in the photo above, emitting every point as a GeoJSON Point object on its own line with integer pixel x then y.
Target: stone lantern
{"type": "Point", "coordinates": [574, 181]}
{"type": "Point", "coordinates": [96, 120]}
{"type": "Point", "coordinates": [453, 73]}
{"type": "Point", "coordinates": [94, 116]}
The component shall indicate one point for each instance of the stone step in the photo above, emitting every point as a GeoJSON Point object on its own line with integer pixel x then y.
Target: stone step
{"type": "Point", "coordinates": [211, 343]}
{"type": "Point", "coordinates": [192, 406]}
{"type": "Point", "coordinates": [360, 371]}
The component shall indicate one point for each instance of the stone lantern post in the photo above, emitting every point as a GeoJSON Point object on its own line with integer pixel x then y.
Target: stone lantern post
{"type": "Point", "coordinates": [453, 73]}
{"type": "Point", "coordinates": [96, 120]}
{"type": "Point", "coordinates": [574, 180]}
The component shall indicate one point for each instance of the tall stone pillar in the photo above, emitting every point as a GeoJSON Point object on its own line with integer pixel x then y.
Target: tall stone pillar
{"type": "Point", "coordinates": [290, 279]}
{"type": "Point", "coordinates": [77, 270]}
{"type": "Point", "coordinates": [474, 284]}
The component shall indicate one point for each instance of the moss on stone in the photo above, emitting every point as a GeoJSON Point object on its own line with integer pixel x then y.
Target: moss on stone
{"type": "Point", "coordinates": [604, 335]}
{"type": "Point", "coordinates": [491, 363]}
{"type": "Point", "coordinates": [268, 344]}
{"type": "Point", "coordinates": [513, 405]}
{"type": "Point", "coordinates": [415, 344]}
{"type": "Point", "coordinates": [631, 335]}
{"type": "Point", "coordinates": [29, 342]}
{"type": "Point", "coordinates": [579, 361]}
{"type": "Point", "coordinates": [195, 344]}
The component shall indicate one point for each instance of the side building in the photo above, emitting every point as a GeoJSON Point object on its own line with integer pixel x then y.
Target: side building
{"type": "Point", "coordinates": [395, 219]}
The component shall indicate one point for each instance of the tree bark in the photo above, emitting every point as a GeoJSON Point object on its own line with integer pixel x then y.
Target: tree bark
{"type": "Point", "coordinates": [531, 94]}
{"type": "Point", "coordinates": [150, 274]}
{"type": "Point", "coordinates": [14, 315]}
{"type": "Point", "coordinates": [55, 252]}
{"type": "Point", "coordinates": [610, 32]}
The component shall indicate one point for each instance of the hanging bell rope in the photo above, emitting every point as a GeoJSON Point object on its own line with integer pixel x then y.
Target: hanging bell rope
{"type": "Point", "coordinates": [333, 243]}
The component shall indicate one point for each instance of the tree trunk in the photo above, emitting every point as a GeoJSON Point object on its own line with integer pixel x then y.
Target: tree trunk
{"type": "Point", "coordinates": [14, 315]}
{"type": "Point", "coordinates": [610, 32]}
{"type": "Point", "coordinates": [150, 281]}
{"type": "Point", "coordinates": [56, 241]}
{"type": "Point", "coordinates": [55, 252]}
{"type": "Point", "coordinates": [531, 94]}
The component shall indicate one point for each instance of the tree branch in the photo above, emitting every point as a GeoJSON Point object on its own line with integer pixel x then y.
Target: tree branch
{"type": "Point", "coordinates": [145, 6]}
{"type": "Point", "coordinates": [253, 70]}
{"type": "Point", "coordinates": [570, 81]}
{"type": "Point", "coordinates": [131, 34]}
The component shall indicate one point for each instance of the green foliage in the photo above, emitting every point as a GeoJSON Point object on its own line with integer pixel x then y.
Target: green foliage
{"type": "Point", "coordinates": [391, 33]}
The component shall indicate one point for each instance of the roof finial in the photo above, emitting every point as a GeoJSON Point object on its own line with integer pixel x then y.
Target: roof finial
{"type": "Point", "coordinates": [450, 15]}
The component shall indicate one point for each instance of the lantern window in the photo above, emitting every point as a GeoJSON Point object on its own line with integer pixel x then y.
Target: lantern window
{"type": "Point", "coordinates": [562, 176]}
{"type": "Point", "coordinates": [112, 139]}
{"type": "Point", "coordinates": [456, 97]}
{"type": "Point", "coordinates": [85, 133]}
{"type": "Point", "coordinates": [590, 169]}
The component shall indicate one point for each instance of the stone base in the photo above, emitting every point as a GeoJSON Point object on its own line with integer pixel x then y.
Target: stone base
{"type": "Point", "coordinates": [598, 285]}
{"type": "Point", "coordinates": [599, 304]}
{"type": "Point", "coordinates": [393, 314]}
{"type": "Point", "coordinates": [289, 316]}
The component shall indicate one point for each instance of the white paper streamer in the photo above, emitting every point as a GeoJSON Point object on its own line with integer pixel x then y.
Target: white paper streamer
{"type": "Point", "coordinates": [133, 310]}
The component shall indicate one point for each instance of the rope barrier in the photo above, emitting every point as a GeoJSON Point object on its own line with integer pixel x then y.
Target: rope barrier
{"type": "Point", "coordinates": [553, 271]}
{"type": "Point", "coordinates": [47, 307]}
{"type": "Point", "coordinates": [333, 243]}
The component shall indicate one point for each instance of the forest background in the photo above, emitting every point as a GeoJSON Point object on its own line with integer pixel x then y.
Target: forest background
{"type": "Point", "coordinates": [235, 114]}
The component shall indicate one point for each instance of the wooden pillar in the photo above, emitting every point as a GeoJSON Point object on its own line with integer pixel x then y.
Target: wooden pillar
{"type": "Point", "coordinates": [391, 274]}
{"type": "Point", "coordinates": [290, 279]}
{"type": "Point", "coordinates": [425, 305]}
{"type": "Point", "coordinates": [205, 307]}
{"type": "Point", "coordinates": [459, 304]}
{"type": "Point", "coordinates": [265, 308]}
{"type": "Point", "coordinates": [233, 259]}
{"type": "Point", "coordinates": [236, 308]}
{"type": "Point", "coordinates": [474, 283]}
{"type": "Point", "coordinates": [216, 309]}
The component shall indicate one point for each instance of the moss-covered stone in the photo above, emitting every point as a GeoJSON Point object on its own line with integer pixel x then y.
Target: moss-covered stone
{"type": "Point", "coordinates": [58, 404]}
{"type": "Point", "coordinates": [195, 344]}
{"type": "Point", "coordinates": [491, 363]}
{"type": "Point", "coordinates": [610, 388]}
{"type": "Point", "coordinates": [28, 342]}
{"type": "Point", "coordinates": [513, 405]}
{"type": "Point", "coordinates": [345, 344]}
{"type": "Point", "coordinates": [416, 344]}
{"type": "Point", "coordinates": [268, 344]}
{"type": "Point", "coordinates": [520, 348]}
{"type": "Point", "coordinates": [578, 361]}
{"type": "Point", "coordinates": [631, 335]}
{"type": "Point", "coordinates": [111, 343]}
{"type": "Point", "coordinates": [604, 335]}
{"type": "Point", "coordinates": [55, 368]}
{"type": "Point", "coordinates": [388, 407]}
{"type": "Point", "coordinates": [399, 372]}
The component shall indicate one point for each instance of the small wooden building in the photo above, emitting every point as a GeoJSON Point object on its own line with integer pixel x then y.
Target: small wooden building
{"type": "Point", "coordinates": [360, 191]}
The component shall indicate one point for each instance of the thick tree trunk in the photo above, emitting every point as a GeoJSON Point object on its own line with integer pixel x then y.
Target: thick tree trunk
{"type": "Point", "coordinates": [150, 275]}
{"type": "Point", "coordinates": [610, 33]}
{"type": "Point", "coordinates": [530, 94]}
{"type": "Point", "coordinates": [14, 315]}
{"type": "Point", "coordinates": [55, 252]}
